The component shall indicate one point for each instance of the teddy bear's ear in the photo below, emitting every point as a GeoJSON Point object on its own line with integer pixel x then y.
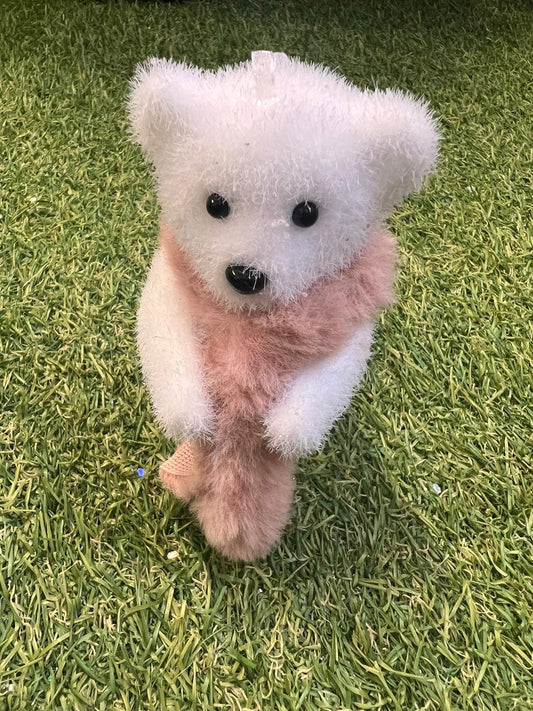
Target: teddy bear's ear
{"type": "Point", "coordinates": [161, 93]}
{"type": "Point", "coordinates": [401, 138]}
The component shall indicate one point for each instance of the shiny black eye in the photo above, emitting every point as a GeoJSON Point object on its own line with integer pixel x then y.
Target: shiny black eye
{"type": "Point", "coordinates": [217, 206]}
{"type": "Point", "coordinates": [305, 214]}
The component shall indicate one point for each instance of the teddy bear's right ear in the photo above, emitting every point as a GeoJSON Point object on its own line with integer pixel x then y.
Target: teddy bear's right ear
{"type": "Point", "coordinates": [161, 93]}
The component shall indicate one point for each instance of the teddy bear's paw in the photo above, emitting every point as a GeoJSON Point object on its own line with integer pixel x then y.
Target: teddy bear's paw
{"type": "Point", "coordinates": [179, 473]}
{"type": "Point", "coordinates": [195, 423]}
{"type": "Point", "coordinates": [290, 434]}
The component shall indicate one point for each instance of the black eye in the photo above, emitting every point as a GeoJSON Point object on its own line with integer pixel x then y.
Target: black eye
{"type": "Point", "coordinates": [305, 214]}
{"type": "Point", "coordinates": [217, 206]}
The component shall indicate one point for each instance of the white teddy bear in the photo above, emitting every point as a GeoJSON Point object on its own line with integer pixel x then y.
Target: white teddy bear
{"type": "Point", "coordinates": [255, 324]}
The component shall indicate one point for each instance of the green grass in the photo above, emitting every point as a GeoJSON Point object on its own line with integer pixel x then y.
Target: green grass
{"type": "Point", "coordinates": [383, 594]}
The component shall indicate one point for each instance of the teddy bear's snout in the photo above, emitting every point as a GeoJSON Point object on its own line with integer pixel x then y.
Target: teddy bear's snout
{"type": "Point", "coordinates": [246, 280]}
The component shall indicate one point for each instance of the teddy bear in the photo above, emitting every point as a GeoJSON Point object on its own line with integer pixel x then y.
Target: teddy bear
{"type": "Point", "coordinates": [274, 178]}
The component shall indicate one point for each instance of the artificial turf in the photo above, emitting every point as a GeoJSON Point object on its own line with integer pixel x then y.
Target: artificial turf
{"type": "Point", "coordinates": [404, 580]}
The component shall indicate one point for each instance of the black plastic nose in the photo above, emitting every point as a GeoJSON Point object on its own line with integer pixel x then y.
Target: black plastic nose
{"type": "Point", "coordinates": [245, 280]}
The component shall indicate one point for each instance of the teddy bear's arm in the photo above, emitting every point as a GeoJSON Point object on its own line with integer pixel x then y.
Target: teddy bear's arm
{"type": "Point", "coordinates": [169, 356]}
{"type": "Point", "coordinates": [299, 422]}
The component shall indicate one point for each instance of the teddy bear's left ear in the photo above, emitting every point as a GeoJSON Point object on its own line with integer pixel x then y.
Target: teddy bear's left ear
{"type": "Point", "coordinates": [401, 140]}
{"type": "Point", "coordinates": [162, 93]}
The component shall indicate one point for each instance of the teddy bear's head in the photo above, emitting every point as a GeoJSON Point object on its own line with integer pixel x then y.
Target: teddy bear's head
{"type": "Point", "coordinates": [272, 173]}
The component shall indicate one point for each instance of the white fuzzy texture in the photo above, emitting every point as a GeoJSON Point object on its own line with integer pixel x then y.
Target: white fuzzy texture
{"type": "Point", "coordinates": [267, 134]}
{"type": "Point", "coordinates": [169, 356]}
{"type": "Point", "coordinates": [299, 423]}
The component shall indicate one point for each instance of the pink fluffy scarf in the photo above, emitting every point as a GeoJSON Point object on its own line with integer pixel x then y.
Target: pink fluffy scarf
{"type": "Point", "coordinates": [248, 360]}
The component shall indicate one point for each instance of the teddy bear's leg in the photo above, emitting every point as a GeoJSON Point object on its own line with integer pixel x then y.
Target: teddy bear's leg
{"type": "Point", "coordinates": [247, 504]}
{"type": "Point", "coordinates": [179, 474]}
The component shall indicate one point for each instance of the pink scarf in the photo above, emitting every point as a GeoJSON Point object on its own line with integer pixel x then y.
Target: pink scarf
{"type": "Point", "coordinates": [249, 357]}
{"type": "Point", "coordinates": [248, 360]}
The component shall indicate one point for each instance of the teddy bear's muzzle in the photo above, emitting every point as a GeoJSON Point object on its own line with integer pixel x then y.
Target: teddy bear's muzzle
{"type": "Point", "coordinates": [246, 280]}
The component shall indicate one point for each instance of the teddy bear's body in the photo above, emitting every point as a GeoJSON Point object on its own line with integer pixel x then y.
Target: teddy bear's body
{"type": "Point", "coordinates": [253, 363]}
{"type": "Point", "coordinates": [250, 361]}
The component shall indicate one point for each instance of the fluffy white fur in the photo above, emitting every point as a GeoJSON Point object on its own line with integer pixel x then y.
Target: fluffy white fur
{"type": "Point", "coordinates": [267, 134]}
{"type": "Point", "coordinates": [169, 357]}
{"type": "Point", "coordinates": [298, 424]}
